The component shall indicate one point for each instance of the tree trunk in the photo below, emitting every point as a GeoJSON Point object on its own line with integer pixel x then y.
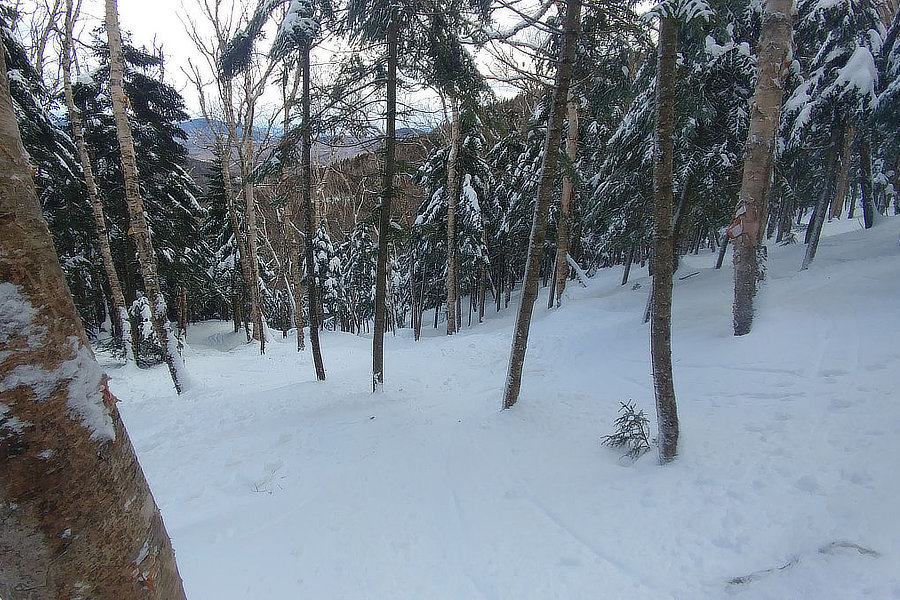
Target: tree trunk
{"type": "Point", "coordinates": [138, 222]}
{"type": "Point", "coordinates": [786, 221]}
{"type": "Point", "coordinates": [236, 311]}
{"type": "Point", "coordinates": [78, 517]}
{"type": "Point", "coordinates": [777, 201]}
{"type": "Point", "coordinates": [452, 198]}
{"type": "Point", "coordinates": [571, 26]}
{"type": "Point", "coordinates": [865, 175]}
{"type": "Point", "coordinates": [721, 258]}
{"type": "Point", "coordinates": [387, 193]}
{"type": "Point", "coordinates": [119, 312]}
{"type": "Point", "coordinates": [296, 276]}
{"type": "Point", "coordinates": [256, 313]}
{"type": "Point", "coordinates": [566, 201]}
{"type": "Point", "coordinates": [629, 259]}
{"type": "Point", "coordinates": [837, 203]}
{"type": "Point", "coordinates": [664, 243]}
{"type": "Point", "coordinates": [765, 113]}
{"type": "Point", "coordinates": [820, 212]}
{"type": "Point", "coordinates": [309, 219]}
{"type": "Point", "coordinates": [182, 313]}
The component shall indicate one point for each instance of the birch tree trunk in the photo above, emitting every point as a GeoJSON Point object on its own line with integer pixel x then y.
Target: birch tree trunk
{"type": "Point", "coordinates": [387, 193]}
{"type": "Point", "coordinates": [309, 219]}
{"type": "Point", "coordinates": [452, 197]}
{"type": "Point", "coordinates": [245, 155]}
{"type": "Point", "coordinates": [571, 27]}
{"type": "Point", "coordinates": [78, 519]}
{"type": "Point", "coordinates": [120, 320]}
{"type": "Point", "coordinates": [765, 112]}
{"type": "Point", "coordinates": [566, 201]}
{"type": "Point", "coordinates": [664, 243]}
{"type": "Point", "coordinates": [137, 218]}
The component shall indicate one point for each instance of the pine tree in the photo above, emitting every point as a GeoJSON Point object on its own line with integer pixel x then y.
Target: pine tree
{"type": "Point", "coordinates": [663, 237]}
{"type": "Point", "coordinates": [428, 30]}
{"type": "Point", "coordinates": [836, 44]}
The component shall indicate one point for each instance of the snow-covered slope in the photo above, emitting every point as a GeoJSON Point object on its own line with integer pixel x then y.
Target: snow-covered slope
{"type": "Point", "coordinates": [276, 486]}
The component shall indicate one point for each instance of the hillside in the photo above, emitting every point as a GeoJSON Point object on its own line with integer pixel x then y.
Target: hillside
{"type": "Point", "coordinates": [274, 485]}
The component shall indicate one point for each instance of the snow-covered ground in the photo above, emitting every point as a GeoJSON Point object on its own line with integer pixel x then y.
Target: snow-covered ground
{"type": "Point", "coordinates": [276, 486]}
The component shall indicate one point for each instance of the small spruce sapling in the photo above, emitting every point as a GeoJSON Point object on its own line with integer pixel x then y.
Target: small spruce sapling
{"type": "Point", "coordinates": [632, 431]}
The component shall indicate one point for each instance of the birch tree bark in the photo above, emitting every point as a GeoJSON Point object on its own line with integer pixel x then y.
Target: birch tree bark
{"type": "Point", "coordinates": [566, 202]}
{"type": "Point", "coordinates": [78, 519]}
{"type": "Point", "coordinates": [775, 43]}
{"type": "Point", "coordinates": [571, 26]}
{"type": "Point", "coordinates": [136, 216]}
{"type": "Point", "coordinates": [120, 320]}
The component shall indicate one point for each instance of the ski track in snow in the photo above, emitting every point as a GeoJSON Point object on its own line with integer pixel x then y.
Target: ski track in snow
{"type": "Point", "coordinates": [275, 485]}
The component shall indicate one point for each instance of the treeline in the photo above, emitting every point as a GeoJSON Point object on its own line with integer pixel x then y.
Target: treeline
{"type": "Point", "coordinates": [462, 195]}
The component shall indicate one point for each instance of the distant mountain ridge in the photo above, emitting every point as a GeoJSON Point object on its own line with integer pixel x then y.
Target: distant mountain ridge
{"type": "Point", "coordinates": [199, 142]}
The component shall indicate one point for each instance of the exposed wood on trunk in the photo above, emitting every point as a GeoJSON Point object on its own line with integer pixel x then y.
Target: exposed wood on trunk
{"type": "Point", "coordinates": [119, 317]}
{"type": "Point", "coordinates": [137, 219]}
{"type": "Point", "coordinates": [765, 113]}
{"type": "Point", "coordinates": [387, 193]}
{"type": "Point", "coordinates": [78, 519]}
{"type": "Point", "coordinates": [664, 243]}
{"type": "Point", "coordinates": [566, 203]}
{"type": "Point", "coordinates": [571, 27]}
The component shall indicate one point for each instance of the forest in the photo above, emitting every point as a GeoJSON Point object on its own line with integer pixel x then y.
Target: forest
{"type": "Point", "coordinates": [362, 206]}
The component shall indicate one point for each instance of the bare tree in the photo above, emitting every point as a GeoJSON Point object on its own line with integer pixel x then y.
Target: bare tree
{"type": "Point", "coordinates": [137, 219]}
{"type": "Point", "coordinates": [120, 321]}
{"type": "Point", "coordinates": [78, 517]}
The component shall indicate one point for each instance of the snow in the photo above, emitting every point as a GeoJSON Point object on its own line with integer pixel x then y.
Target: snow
{"type": "Point", "coordinates": [858, 76]}
{"type": "Point", "coordinates": [81, 372]}
{"type": "Point", "coordinates": [274, 485]}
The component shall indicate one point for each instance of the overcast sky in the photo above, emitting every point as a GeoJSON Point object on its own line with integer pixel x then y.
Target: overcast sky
{"type": "Point", "coordinates": [162, 21]}
{"type": "Point", "coordinates": [149, 20]}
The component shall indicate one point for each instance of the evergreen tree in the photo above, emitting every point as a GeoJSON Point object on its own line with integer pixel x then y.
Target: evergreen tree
{"type": "Point", "coordinates": [359, 257]}
{"type": "Point", "coordinates": [169, 193]}
{"type": "Point", "coordinates": [328, 277]}
{"type": "Point", "coordinates": [836, 46]}
{"type": "Point", "coordinates": [473, 208]}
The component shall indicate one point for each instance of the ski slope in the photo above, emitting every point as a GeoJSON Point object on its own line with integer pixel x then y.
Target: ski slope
{"type": "Point", "coordinates": [274, 485]}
